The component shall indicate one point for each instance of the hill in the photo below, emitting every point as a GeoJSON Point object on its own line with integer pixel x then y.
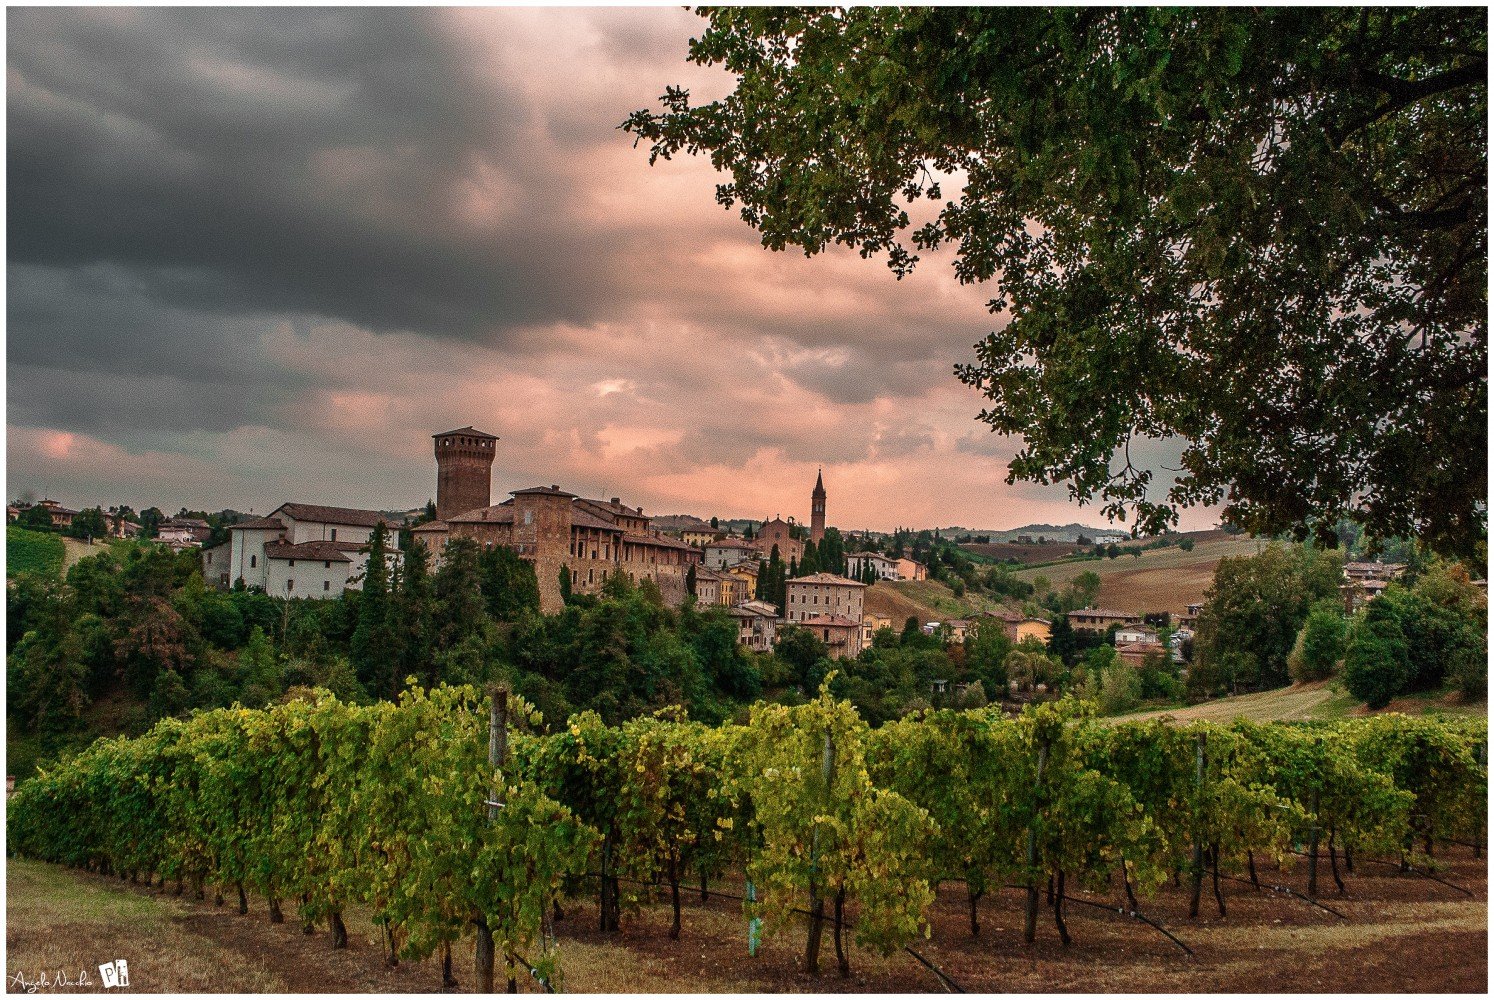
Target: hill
{"type": "Point", "coordinates": [926, 600]}
{"type": "Point", "coordinates": [1315, 700]}
{"type": "Point", "coordinates": [1159, 579]}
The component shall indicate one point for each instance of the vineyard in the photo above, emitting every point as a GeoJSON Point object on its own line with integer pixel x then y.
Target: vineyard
{"type": "Point", "coordinates": [449, 818]}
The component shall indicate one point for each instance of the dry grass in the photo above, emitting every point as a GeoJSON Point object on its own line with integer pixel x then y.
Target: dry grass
{"type": "Point", "coordinates": [57, 920]}
{"type": "Point", "coordinates": [1159, 579]}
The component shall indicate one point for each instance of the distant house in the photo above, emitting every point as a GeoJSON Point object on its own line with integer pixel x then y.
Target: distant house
{"type": "Point", "coordinates": [1365, 581]}
{"type": "Point", "coordinates": [841, 634]}
{"type": "Point", "coordinates": [1190, 618]}
{"type": "Point", "coordinates": [1111, 539]}
{"type": "Point", "coordinates": [911, 569]}
{"type": "Point", "coordinates": [1019, 627]}
{"type": "Point", "coordinates": [1135, 653]}
{"type": "Point", "coordinates": [757, 625]}
{"type": "Point", "coordinates": [184, 532]}
{"type": "Point", "coordinates": [62, 517]}
{"type": "Point", "coordinates": [871, 623]}
{"type": "Point", "coordinates": [1136, 634]}
{"type": "Point", "coordinates": [698, 537]}
{"type": "Point", "coordinates": [884, 566]}
{"type": "Point", "coordinates": [955, 629]}
{"type": "Point", "coordinates": [726, 553]}
{"type": "Point", "coordinates": [707, 586]}
{"type": "Point", "coordinates": [299, 550]}
{"type": "Point", "coordinates": [1099, 619]}
{"type": "Point", "coordinates": [746, 574]}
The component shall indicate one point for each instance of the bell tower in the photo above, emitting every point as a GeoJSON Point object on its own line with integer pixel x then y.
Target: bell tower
{"type": "Point", "coordinates": [464, 471]}
{"type": "Point", "coordinates": [817, 509]}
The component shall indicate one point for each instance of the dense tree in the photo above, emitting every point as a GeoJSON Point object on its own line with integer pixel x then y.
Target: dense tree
{"type": "Point", "coordinates": [509, 585]}
{"type": "Point", "coordinates": [1377, 666]}
{"type": "Point", "coordinates": [89, 523]}
{"type": "Point", "coordinates": [374, 649]}
{"type": "Point", "coordinates": [1261, 232]}
{"type": "Point", "coordinates": [1252, 614]}
{"type": "Point", "coordinates": [36, 517]}
{"type": "Point", "coordinates": [1319, 645]}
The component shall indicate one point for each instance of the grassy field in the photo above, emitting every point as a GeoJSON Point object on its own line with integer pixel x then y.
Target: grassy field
{"type": "Point", "coordinates": [28, 551]}
{"type": "Point", "coordinates": [1398, 933]}
{"type": "Point", "coordinates": [1159, 579]}
{"type": "Point", "coordinates": [1317, 700]}
{"type": "Point", "coordinates": [926, 600]}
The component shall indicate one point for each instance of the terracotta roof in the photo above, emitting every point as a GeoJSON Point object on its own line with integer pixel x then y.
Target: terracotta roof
{"type": "Point", "coordinates": [496, 514]}
{"type": "Point", "coordinates": [1102, 613]}
{"type": "Point", "coordinates": [733, 544]}
{"type": "Point", "coordinates": [549, 491]}
{"type": "Point", "coordinates": [583, 518]}
{"type": "Point", "coordinates": [826, 579]}
{"type": "Point", "coordinates": [759, 608]}
{"type": "Point", "coordinates": [831, 621]}
{"type": "Point", "coordinates": [258, 523]}
{"type": "Point", "coordinates": [468, 431]}
{"type": "Point", "coordinates": [430, 526]}
{"type": "Point", "coordinates": [325, 551]}
{"type": "Point", "coordinates": [659, 540]}
{"type": "Point", "coordinates": [350, 516]}
{"type": "Point", "coordinates": [614, 508]}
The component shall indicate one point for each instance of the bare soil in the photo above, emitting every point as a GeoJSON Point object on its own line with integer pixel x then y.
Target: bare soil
{"type": "Point", "coordinates": [1399, 933]}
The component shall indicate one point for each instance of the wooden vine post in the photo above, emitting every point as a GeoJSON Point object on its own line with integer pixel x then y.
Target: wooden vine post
{"type": "Point", "coordinates": [1312, 851]}
{"type": "Point", "coordinates": [497, 754]}
{"type": "Point", "coordinates": [1029, 933]}
{"type": "Point", "coordinates": [1198, 848]}
{"type": "Point", "coordinates": [816, 899]}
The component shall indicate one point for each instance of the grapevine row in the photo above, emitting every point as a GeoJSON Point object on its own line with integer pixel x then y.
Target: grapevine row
{"type": "Point", "coordinates": [396, 806]}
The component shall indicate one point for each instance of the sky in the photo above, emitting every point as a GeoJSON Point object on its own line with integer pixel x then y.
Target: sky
{"type": "Point", "coordinates": [260, 255]}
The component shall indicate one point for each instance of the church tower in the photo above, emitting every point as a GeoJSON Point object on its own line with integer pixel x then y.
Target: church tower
{"type": "Point", "coordinates": [817, 510]}
{"type": "Point", "coordinates": [464, 471]}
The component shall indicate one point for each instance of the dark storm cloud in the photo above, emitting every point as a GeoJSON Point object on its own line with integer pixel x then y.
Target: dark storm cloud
{"type": "Point", "coordinates": [279, 161]}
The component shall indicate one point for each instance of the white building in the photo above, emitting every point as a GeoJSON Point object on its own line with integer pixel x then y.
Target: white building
{"type": "Point", "coordinates": [299, 550]}
{"type": "Point", "coordinates": [885, 566]}
{"type": "Point", "coordinates": [729, 552]}
{"type": "Point", "coordinates": [1134, 634]}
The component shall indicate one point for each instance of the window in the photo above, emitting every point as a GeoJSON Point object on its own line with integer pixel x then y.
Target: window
{"type": "Point", "coordinates": [326, 584]}
{"type": "Point", "coordinates": [253, 561]}
{"type": "Point", "coordinates": [210, 558]}
{"type": "Point", "coordinates": [329, 564]}
{"type": "Point", "coordinates": [334, 534]}
{"type": "Point", "coordinates": [290, 585]}
{"type": "Point", "coordinates": [292, 562]}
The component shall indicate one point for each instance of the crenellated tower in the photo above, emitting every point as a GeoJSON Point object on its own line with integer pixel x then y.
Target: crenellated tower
{"type": "Point", "coordinates": [464, 471]}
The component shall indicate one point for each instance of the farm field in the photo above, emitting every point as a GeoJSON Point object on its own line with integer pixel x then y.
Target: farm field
{"type": "Point", "coordinates": [1398, 933]}
{"type": "Point", "coordinates": [1321, 700]}
{"type": "Point", "coordinates": [1046, 552]}
{"type": "Point", "coordinates": [926, 600]}
{"type": "Point", "coordinates": [29, 551]}
{"type": "Point", "coordinates": [1160, 579]}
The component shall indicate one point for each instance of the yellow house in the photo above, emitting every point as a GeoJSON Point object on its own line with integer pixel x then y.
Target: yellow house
{"type": "Point", "coordinates": [872, 623]}
{"type": "Point", "coordinates": [745, 573]}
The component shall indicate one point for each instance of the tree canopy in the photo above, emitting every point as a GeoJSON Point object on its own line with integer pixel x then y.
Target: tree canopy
{"type": "Point", "coordinates": [1260, 232]}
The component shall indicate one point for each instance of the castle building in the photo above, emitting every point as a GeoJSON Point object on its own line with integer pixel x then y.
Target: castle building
{"type": "Point", "coordinates": [592, 540]}
{"type": "Point", "coordinates": [464, 470]}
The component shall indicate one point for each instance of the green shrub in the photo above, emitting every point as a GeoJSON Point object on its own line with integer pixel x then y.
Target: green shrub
{"type": "Point", "coordinates": [1376, 664]}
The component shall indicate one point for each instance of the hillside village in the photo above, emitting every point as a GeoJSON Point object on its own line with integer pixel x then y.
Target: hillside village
{"type": "Point", "coordinates": [1142, 598]}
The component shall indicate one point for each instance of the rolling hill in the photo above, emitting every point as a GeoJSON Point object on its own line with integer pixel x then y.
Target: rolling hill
{"type": "Point", "coordinates": [1159, 579]}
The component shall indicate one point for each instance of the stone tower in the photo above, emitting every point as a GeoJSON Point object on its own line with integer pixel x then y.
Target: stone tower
{"type": "Point", "coordinates": [464, 471]}
{"type": "Point", "coordinates": [817, 510]}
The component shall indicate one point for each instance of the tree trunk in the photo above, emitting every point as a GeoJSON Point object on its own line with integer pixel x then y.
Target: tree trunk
{"type": "Point", "coordinates": [842, 954]}
{"type": "Point", "coordinates": [1254, 878]}
{"type": "Point", "coordinates": [1218, 896]}
{"type": "Point", "coordinates": [513, 980]}
{"type": "Point", "coordinates": [674, 897]}
{"type": "Point", "coordinates": [448, 981]}
{"type": "Point", "coordinates": [704, 891]}
{"type": "Point", "coordinates": [1349, 858]}
{"type": "Point", "coordinates": [307, 925]}
{"type": "Point", "coordinates": [391, 952]}
{"type": "Point", "coordinates": [484, 963]}
{"type": "Point", "coordinates": [1063, 930]}
{"type": "Point", "coordinates": [1195, 882]}
{"type": "Point", "coordinates": [1050, 890]}
{"type": "Point", "coordinates": [816, 932]}
{"type": "Point", "coordinates": [276, 916]}
{"type": "Point", "coordinates": [1333, 862]}
{"type": "Point", "coordinates": [243, 900]}
{"type": "Point", "coordinates": [974, 895]}
{"type": "Point", "coordinates": [555, 911]}
{"type": "Point", "coordinates": [1029, 931]}
{"type": "Point", "coordinates": [217, 895]}
{"type": "Point", "coordinates": [1312, 859]}
{"type": "Point", "coordinates": [339, 929]}
{"type": "Point", "coordinates": [181, 886]}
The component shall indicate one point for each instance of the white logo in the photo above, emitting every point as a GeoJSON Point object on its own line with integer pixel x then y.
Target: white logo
{"type": "Point", "coordinates": [115, 973]}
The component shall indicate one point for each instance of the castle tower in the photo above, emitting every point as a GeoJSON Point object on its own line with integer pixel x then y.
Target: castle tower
{"type": "Point", "coordinates": [817, 510]}
{"type": "Point", "coordinates": [464, 471]}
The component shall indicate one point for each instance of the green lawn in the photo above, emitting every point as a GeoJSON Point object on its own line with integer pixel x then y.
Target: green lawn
{"type": "Point", "coordinates": [28, 551]}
